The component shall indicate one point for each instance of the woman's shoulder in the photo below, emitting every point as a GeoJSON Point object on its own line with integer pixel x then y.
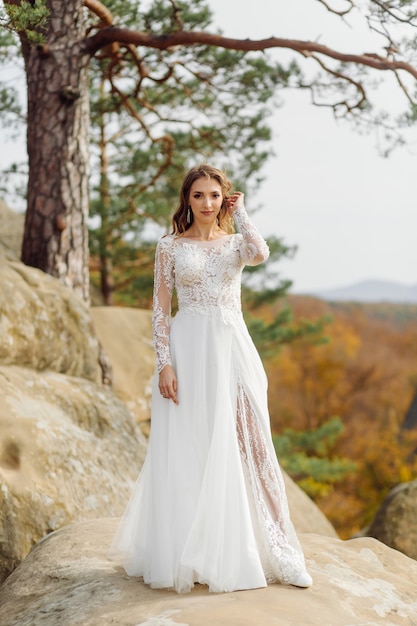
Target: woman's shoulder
{"type": "Point", "coordinates": [166, 242]}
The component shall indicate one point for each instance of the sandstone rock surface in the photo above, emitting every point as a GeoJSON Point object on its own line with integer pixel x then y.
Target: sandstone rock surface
{"type": "Point", "coordinates": [43, 325]}
{"type": "Point", "coordinates": [11, 232]}
{"type": "Point", "coordinates": [69, 450]}
{"type": "Point", "coordinates": [396, 520]}
{"type": "Point", "coordinates": [305, 514]}
{"type": "Point", "coordinates": [126, 336]}
{"type": "Point", "coordinates": [68, 581]}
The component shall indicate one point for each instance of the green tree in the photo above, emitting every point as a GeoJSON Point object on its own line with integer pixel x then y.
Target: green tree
{"type": "Point", "coordinates": [212, 104]}
{"type": "Point", "coordinates": [58, 42]}
{"type": "Point", "coordinates": [309, 459]}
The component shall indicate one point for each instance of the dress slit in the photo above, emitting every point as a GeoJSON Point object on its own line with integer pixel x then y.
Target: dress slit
{"type": "Point", "coordinates": [279, 547]}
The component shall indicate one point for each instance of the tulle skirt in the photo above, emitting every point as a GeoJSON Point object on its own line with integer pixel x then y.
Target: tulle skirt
{"type": "Point", "coordinates": [209, 505]}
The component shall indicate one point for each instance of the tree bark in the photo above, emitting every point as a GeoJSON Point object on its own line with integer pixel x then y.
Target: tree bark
{"type": "Point", "coordinates": [56, 235]}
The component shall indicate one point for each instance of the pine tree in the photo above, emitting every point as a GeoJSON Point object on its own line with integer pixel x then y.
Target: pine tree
{"type": "Point", "coordinates": [58, 42]}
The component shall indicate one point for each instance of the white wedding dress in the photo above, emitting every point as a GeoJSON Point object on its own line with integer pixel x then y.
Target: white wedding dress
{"type": "Point", "coordinates": [209, 505]}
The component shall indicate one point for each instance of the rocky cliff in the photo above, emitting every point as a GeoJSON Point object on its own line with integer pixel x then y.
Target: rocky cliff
{"type": "Point", "coordinates": [69, 448]}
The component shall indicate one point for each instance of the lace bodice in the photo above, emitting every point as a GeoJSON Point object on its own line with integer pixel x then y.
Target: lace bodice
{"type": "Point", "coordinates": [206, 276]}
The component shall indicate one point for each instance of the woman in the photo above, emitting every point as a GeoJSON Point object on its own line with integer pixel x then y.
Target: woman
{"type": "Point", "coordinates": [209, 505]}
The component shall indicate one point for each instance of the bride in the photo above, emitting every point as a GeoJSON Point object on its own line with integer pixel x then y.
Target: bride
{"type": "Point", "coordinates": [209, 505]}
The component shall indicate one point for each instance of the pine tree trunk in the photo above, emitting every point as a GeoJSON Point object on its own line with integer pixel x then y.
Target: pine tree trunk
{"type": "Point", "coordinates": [56, 235]}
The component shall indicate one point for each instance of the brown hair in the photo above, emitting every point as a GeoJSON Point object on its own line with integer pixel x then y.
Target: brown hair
{"type": "Point", "coordinates": [179, 219]}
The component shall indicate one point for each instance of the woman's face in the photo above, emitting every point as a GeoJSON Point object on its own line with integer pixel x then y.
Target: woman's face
{"type": "Point", "coordinates": [205, 200]}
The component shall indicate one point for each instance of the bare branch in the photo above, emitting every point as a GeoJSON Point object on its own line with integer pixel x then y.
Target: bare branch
{"type": "Point", "coordinates": [341, 13]}
{"type": "Point", "coordinates": [177, 15]}
{"type": "Point", "coordinates": [125, 101]}
{"type": "Point", "coordinates": [168, 150]}
{"type": "Point", "coordinates": [102, 12]}
{"type": "Point", "coordinates": [183, 38]}
{"type": "Point", "coordinates": [106, 19]}
{"type": "Point", "coordinates": [405, 90]}
{"type": "Point", "coordinates": [165, 77]}
{"type": "Point", "coordinates": [343, 103]}
{"type": "Point", "coordinates": [399, 15]}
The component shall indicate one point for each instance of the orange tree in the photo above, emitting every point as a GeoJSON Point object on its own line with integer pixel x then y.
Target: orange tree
{"type": "Point", "coordinates": [366, 374]}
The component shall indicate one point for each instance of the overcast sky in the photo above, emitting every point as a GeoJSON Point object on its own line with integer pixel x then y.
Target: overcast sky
{"type": "Point", "coordinates": [351, 213]}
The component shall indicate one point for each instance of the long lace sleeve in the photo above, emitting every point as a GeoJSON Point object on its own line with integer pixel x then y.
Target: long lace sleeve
{"type": "Point", "coordinates": [253, 249]}
{"type": "Point", "coordinates": [163, 286]}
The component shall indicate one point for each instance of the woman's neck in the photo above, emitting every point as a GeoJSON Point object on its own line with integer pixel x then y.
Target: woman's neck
{"type": "Point", "coordinates": [201, 233]}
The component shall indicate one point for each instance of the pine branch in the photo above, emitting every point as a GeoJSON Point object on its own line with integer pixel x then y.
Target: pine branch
{"type": "Point", "coordinates": [182, 38]}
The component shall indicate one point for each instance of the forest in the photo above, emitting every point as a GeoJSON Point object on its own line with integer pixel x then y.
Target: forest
{"type": "Point", "coordinates": [350, 394]}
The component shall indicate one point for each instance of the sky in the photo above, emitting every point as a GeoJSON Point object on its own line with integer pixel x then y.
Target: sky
{"type": "Point", "coordinates": [351, 213]}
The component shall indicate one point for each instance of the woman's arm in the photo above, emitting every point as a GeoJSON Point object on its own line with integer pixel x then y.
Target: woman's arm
{"type": "Point", "coordinates": [254, 249]}
{"type": "Point", "coordinates": [162, 295]}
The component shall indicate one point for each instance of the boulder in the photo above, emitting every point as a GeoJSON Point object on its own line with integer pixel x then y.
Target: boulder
{"type": "Point", "coordinates": [69, 450]}
{"type": "Point", "coordinates": [126, 336]}
{"type": "Point", "coordinates": [43, 325]}
{"type": "Point", "coordinates": [305, 514]}
{"type": "Point", "coordinates": [395, 521]}
{"type": "Point", "coordinates": [11, 232]}
{"type": "Point", "coordinates": [67, 580]}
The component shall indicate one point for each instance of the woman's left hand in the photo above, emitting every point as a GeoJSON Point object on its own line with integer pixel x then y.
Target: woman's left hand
{"type": "Point", "coordinates": [235, 201]}
{"type": "Point", "coordinates": [168, 383]}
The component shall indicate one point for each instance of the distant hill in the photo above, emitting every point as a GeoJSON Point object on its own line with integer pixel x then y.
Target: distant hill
{"type": "Point", "coordinates": [371, 291]}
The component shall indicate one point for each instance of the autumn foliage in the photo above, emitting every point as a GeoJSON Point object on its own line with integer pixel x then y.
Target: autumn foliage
{"type": "Point", "coordinates": [365, 372]}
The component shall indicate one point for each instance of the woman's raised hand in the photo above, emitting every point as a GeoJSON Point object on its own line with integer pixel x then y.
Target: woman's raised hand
{"type": "Point", "coordinates": [235, 201]}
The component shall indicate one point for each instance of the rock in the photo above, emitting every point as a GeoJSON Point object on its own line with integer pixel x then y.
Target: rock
{"type": "Point", "coordinates": [69, 450]}
{"type": "Point", "coordinates": [305, 514]}
{"type": "Point", "coordinates": [126, 336]}
{"type": "Point", "coordinates": [68, 581]}
{"type": "Point", "coordinates": [395, 521]}
{"type": "Point", "coordinates": [11, 232]}
{"type": "Point", "coordinates": [43, 325]}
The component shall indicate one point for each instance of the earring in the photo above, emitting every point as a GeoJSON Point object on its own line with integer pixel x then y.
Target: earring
{"type": "Point", "coordinates": [189, 215]}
